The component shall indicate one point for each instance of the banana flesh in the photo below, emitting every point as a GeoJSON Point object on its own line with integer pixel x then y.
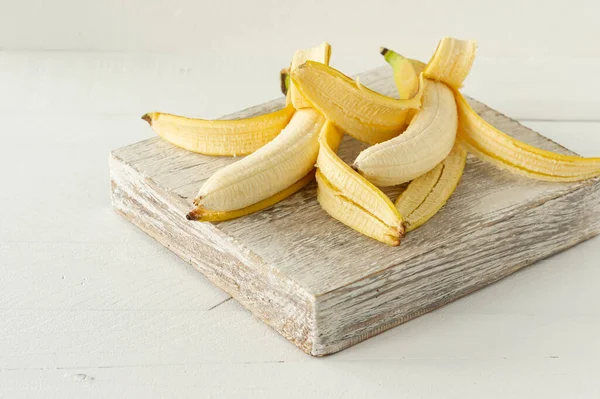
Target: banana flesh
{"type": "Point", "coordinates": [204, 215]}
{"type": "Point", "coordinates": [320, 53]}
{"type": "Point", "coordinates": [350, 198]}
{"type": "Point", "coordinates": [269, 170]}
{"type": "Point", "coordinates": [450, 64]}
{"type": "Point", "coordinates": [364, 114]}
{"type": "Point", "coordinates": [427, 194]}
{"type": "Point", "coordinates": [452, 61]}
{"type": "Point", "coordinates": [426, 142]}
{"type": "Point", "coordinates": [220, 137]}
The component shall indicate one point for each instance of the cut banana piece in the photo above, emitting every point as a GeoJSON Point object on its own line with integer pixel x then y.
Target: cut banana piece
{"type": "Point", "coordinates": [203, 215]}
{"type": "Point", "coordinates": [426, 142]}
{"type": "Point", "coordinates": [362, 113]}
{"type": "Point", "coordinates": [502, 150]}
{"type": "Point", "coordinates": [266, 172]}
{"type": "Point", "coordinates": [427, 194]}
{"type": "Point", "coordinates": [320, 53]}
{"type": "Point", "coordinates": [365, 208]}
{"type": "Point", "coordinates": [220, 137]}
{"type": "Point", "coordinates": [452, 61]}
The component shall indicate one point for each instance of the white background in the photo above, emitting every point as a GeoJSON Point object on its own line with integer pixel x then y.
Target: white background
{"type": "Point", "coordinates": [91, 307]}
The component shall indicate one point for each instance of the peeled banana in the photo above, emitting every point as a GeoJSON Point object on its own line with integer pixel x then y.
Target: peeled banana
{"type": "Point", "coordinates": [426, 142]}
{"type": "Point", "coordinates": [427, 194]}
{"type": "Point", "coordinates": [266, 172]}
{"type": "Point", "coordinates": [364, 114]}
{"type": "Point", "coordinates": [204, 215]}
{"type": "Point", "coordinates": [350, 198]}
{"type": "Point", "coordinates": [220, 137]}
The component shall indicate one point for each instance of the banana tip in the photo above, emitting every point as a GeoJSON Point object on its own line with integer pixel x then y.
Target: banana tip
{"type": "Point", "coordinates": [383, 50]}
{"type": "Point", "coordinates": [147, 118]}
{"type": "Point", "coordinates": [194, 214]}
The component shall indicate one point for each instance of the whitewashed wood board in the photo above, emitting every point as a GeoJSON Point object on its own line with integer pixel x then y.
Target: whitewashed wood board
{"type": "Point", "coordinates": [325, 287]}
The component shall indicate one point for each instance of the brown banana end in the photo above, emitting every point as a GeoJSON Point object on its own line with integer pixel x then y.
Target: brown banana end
{"type": "Point", "coordinates": [402, 230]}
{"type": "Point", "coordinates": [147, 118]}
{"type": "Point", "coordinates": [283, 75]}
{"type": "Point", "coordinates": [383, 50]}
{"type": "Point", "coordinates": [194, 214]}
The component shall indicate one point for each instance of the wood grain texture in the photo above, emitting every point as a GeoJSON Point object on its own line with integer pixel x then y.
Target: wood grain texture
{"type": "Point", "coordinates": [325, 287]}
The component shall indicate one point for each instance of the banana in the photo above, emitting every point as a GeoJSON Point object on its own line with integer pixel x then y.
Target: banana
{"type": "Point", "coordinates": [203, 215]}
{"type": "Point", "coordinates": [427, 141]}
{"type": "Point", "coordinates": [427, 194]}
{"type": "Point", "coordinates": [220, 137]}
{"type": "Point", "coordinates": [452, 61]}
{"type": "Point", "coordinates": [266, 172]}
{"type": "Point", "coordinates": [350, 198]}
{"type": "Point", "coordinates": [451, 64]}
{"type": "Point", "coordinates": [362, 113]}
{"type": "Point", "coordinates": [320, 53]}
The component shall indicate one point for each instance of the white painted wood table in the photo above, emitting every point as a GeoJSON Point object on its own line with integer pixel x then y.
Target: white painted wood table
{"type": "Point", "coordinates": [92, 307]}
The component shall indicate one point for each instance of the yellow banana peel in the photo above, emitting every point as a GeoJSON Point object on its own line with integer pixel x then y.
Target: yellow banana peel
{"type": "Point", "coordinates": [350, 198]}
{"type": "Point", "coordinates": [362, 113]}
{"type": "Point", "coordinates": [220, 137]}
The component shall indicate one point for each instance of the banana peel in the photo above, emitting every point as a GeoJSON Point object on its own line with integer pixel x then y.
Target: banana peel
{"type": "Point", "coordinates": [362, 113]}
{"type": "Point", "coordinates": [406, 72]}
{"type": "Point", "coordinates": [350, 198]}
{"type": "Point", "coordinates": [452, 61]}
{"type": "Point", "coordinates": [427, 194]}
{"type": "Point", "coordinates": [220, 137]}
{"type": "Point", "coordinates": [320, 53]}
{"type": "Point", "coordinates": [339, 207]}
{"type": "Point", "coordinates": [451, 64]}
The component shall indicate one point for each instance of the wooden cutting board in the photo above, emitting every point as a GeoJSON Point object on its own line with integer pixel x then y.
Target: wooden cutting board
{"type": "Point", "coordinates": [324, 286]}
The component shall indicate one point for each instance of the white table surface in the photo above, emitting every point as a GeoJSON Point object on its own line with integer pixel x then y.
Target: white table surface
{"type": "Point", "coordinates": [92, 307]}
